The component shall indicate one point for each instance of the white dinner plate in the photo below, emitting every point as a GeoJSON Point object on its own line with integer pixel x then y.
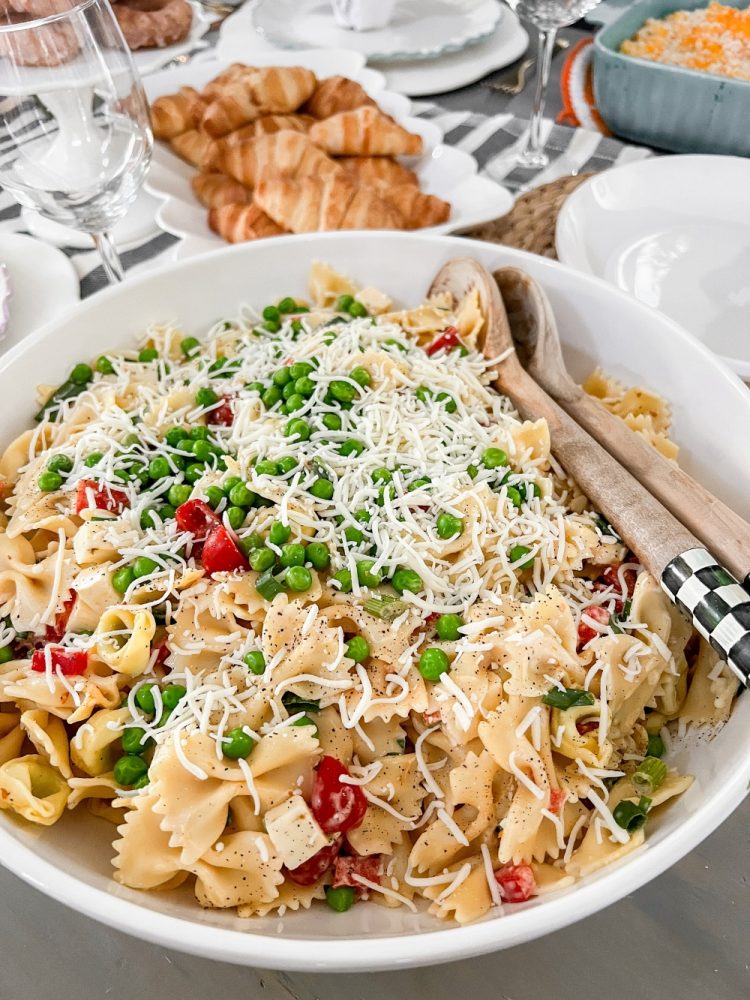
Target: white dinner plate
{"type": "Point", "coordinates": [599, 325]}
{"type": "Point", "coordinates": [149, 60]}
{"type": "Point", "coordinates": [41, 282]}
{"type": "Point", "coordinates": [442, 170]}
{"type": "Point", "coordinates": [674, 232]}
{"type": "Point", "coordinates": [418, 29]}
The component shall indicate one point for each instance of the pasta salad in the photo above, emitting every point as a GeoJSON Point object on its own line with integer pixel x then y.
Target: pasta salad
{"type": "Point", "coordinates": [309, 613]}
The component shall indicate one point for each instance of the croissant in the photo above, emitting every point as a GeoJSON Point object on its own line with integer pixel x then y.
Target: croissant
{"type": "Point", "coordinates": [267, 125]}
{"type": "Point", "coordinates": [417, 209]}
{"type": "Point", "coordinates": [216, 190]}
{"type": "Point", "coordinates": [283, 154]}
{"type": "Point", "coordinates": [234, 72]}
{"type": "Point", "coordinates": [377, 171]}
{"type": "Point", "coordinates": [270, 89]}
{"type": "Point", "coordinates": [313, 204]}
{"type": "Point", "coordinates": [364, 132]}
{"type": "Point", "coordinates": [336, 94]}
{"type": "Point", "coordinates": [239, 223]}
{"type": "Point", "coordinates": [196, 147]}
{"type": "Point", "coordinates": [176, 113]}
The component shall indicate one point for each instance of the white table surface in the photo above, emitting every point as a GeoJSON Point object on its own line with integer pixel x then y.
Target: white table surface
{"type": "Point", "coordinates": [683, 937]}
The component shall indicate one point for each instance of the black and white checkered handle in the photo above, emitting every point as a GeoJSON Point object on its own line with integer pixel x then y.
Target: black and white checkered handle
{"type": "Point", "coordinates": [717, 604]}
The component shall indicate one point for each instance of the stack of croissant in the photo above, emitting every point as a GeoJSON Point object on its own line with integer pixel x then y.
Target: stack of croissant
{"type": "Point", "coordinates": [280, 151]}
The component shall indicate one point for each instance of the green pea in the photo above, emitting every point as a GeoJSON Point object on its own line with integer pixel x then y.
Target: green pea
{"type": "Point", "coordinates": [340, 898]}
{"type": "Point", "coordinates": [255, 662]}
{"type": "Point", "coordinates": [353, 535]}
{"type": "Point", "coordinates": [104, 366]}
{"type": "Point", "coordinates": [361, 376]}
{"type": "Point", "coordinates": [143, 566]}
{"type": "Point", "coordinates": [287, 305]}
{"type": "Point", "coordinates": [122, 578]}
{"type": "Point", "coordinates": [142, 782]}
{"type": "Point", "coordinates": [518, 552]}
{"type": "Point", "coordinates": [299, 578]}
{"type": "Point", "coordinates": [6, 654]}
{"type": "Point", "coordinates": [129, 769]}
{"type": "Point", "coordinates": [343, 392]}
{"type": "Point", "coordinates": [235, 517]}
{"type": "Point", "coordinates": [271, 313]}
{"type": "Point", "coordinates": [272, 325]}
{"type": "Point", "coordinates": [60, 463]}
{"type": "Point", "coordinates": [179, 493]}
{"type": "Point", "coordinates": [214, 496]}
{"type": "Point", "coordinates": [251, 542]}
{"type": "Point", "coordinates": [166, 513]}
{"type": "Point", "coordinates": [287, 464]}
{"type": "Point", "coordinates": [366, 575]}
{"type": "Point", "coordinates": [406, 580]}
{"type": "Point", "coordinates": [172, 695]}
{"type": "Point", "coordinates": [144, 698]}
{"type": "Point", "coordinates": [358, 648]}
{"type": "Point", "coordinates": [449, 401]}
{"type": "Point", "coordinates": [49, 481]}
{"type": "Point", "coordinates": [300, 369]}
{"type": "Point", "coordinates": [344, 580]}
{"type": "Point", "coordinates": [194, 472]}
{"type": "Point", "coordinates": [158, 468]}
{"type": "Point", "coordinates": [381, 476]}
{"type": "Point", "coordinates": [343, 303]}
{"type": "Point", "coordinates": [514, 496]}
{"type": "Point", "coordinates": [81, 374]}
{"type": "Point", "coordinates": [148, 519]}
{"type": "Point", "coordinates": [173, 436]}
{"type": "Point", "coordinates": [317, 555]}
{"type": "Point", "coordinates": [279, 533]}
{"type": "Point", "coordinates": [229, 483]}
{"type": "Point", "coordinates": [363, 516]}
{"type": "Point", "coordinates": [295, 402]}
{"type": "Point", "coordinates": [395, 343]}
{"type": "Point", "coordinates": [323, 489]}
{"type": "Point", "coordinates": [332, 421]}
{"type": "Point", "coordinates": [448, 526]}
{"type": "Point", "coordinates": [494, 458]}
{"type": "Point", "coordinates": [297, 427]}
{"type": "Point", "coordinates": [433, 663]}
{"type": "Point", "coordinates": [189, 346]}
{"type": "Point", "coordinates": [473, 471]}
{"type": "Point", "coordinates": [423, 393]}
{"type": "Point", "coordinates": [206, 397]}
{"type": "Point", "coordinates": [281, 377]}
{"type": "Point", "coordinates": [304, 386]}
{"type": "Point", "coordinates": [262, 559]}
{"type": "Point", "coordinates": [93, 459]}
{"type": "Point", "coordinates": [203, 451]}
{"type": "Point", "coordinates": [241, 496]}
{"type": "Point", "coordinates": [447, 627]}
{"type": "Point", "coordinates": [417, 484]}
{"type": "Point", "coordinates": [357, 310]}
{"type": "Point", "coordinates": [133, 740]}
{"type": "Point", "coordinates": [255, 387]}
{"type": "Point", "coordinates": [287, 392]}
{"type": "Point", "coordinates": [351, 447]}
{"type": "Point", "coordinates": [267, 468]}
{"type": "Point", "coordinates": [147, 355]}
{"type": "Point", "coordinates": [237, 744]}
{"type": "Point", "coordinates": [293, 554]}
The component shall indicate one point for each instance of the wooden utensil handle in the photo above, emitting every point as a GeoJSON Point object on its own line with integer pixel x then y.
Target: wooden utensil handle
{"type": "Point", "coordinates": [725, 533]}
{"type": "Point", "coordinates": [651, 531]}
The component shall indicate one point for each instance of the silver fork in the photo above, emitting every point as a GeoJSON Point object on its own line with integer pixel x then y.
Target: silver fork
{"type": "Point", "coordinates": [514, 89]}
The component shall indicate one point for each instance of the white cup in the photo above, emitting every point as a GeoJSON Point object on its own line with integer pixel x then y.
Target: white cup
{"type": "Point", "coordinates": [363, 15]}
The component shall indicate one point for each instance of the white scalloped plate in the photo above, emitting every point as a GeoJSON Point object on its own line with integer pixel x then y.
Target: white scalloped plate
{"type": "Point", "coordinates": [444, 171]}
{"type": "Point", "coordinates": [150, 60]}
{"type": "Point", "coordinates": [419, 29]}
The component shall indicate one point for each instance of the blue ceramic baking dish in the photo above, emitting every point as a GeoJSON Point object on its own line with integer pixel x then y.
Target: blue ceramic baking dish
{"type": "Point", "coordinates": [668, 107]}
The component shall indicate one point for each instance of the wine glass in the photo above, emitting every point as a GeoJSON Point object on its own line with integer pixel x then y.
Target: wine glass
{"type": "Point", "coordinates": [547, 16]}
{"type": "Point", "coordinates": [75, 138]}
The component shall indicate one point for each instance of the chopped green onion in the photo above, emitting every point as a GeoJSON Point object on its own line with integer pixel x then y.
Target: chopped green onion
{"type": "Point", "coordinates": [632, 816]}
{"type": "Point", "coordinates": [655, 746]}
{"type": "Point", "coordinates": [649, 775]}
{"type": "Point", "coordinates": [294, 703]}
{"type": "Point", "coordinates": [385, 607]}
{"type": "Point", "coordinates": [268, 586]}
{"type": "Point", "coordinates": [569, 698]}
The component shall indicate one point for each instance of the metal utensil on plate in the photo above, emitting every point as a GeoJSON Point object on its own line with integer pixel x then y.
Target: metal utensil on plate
{"type": "Point", "coordinates": [691, 577]}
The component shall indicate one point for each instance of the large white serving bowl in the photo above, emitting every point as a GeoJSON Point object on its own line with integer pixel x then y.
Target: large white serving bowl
{"type": "Point", "coordinates": [599, 325]}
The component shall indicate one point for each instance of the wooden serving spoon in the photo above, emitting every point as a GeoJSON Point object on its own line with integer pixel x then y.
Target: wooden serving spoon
{"type": "Point", "coordinates": [537, 342]}
{"type": "Point", "coordinates": [707, 593]}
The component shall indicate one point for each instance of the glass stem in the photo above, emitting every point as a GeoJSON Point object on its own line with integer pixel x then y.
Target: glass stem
{"type": "Point", "coordinates": [110, 259]}
{"type": "Point", "coordinates": [533, 154]}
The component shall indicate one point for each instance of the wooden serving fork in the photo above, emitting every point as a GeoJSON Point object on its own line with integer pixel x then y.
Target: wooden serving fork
{"type": "Point", "coordinates": [691, 577]}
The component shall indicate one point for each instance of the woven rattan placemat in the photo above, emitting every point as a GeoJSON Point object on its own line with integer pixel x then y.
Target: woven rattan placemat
{"type": "Point", "coordinates": [530, 225]}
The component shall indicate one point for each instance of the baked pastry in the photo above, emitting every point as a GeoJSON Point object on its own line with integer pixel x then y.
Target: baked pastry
{"type": "Point", "coordinates": [217, 190]}
{"type": "Point", "coordinates": [335, 94]}
{"type": "Point", "coordinates": [283, 154]}
{"type": "Point", "coordinates": [416, 208]}
{"type": "Point", "coordinates": [265, 90]}
{"type": "Point", "coordinates": [240, 223]}
{"type": "Point", "coordinates": [378, 171]}
{"type": "Point", "coordinates": [313, 204]}
{"type": "Point", "coordinates": [176, 113]}
{"type": "Point", "coordinates": [365, 132]}
{"type": "Point", "coordinates": [153, 24]}
{"type": "Point", "coordinates": [267, 125]}
{"type": "Point", "coordinates": [196, 147]}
